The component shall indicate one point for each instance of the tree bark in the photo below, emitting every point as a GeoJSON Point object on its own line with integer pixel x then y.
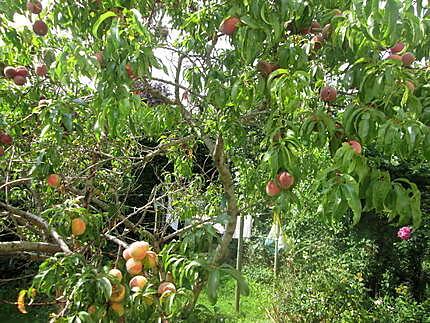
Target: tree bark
{"type": "Point", "coordinates": [40, 223]}
{"type": "Point", "coordinates": [232, 209]}
{"type": "Point", "coordinates": [14, 247]}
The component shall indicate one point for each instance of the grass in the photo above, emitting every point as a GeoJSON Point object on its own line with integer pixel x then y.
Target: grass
{"type": "Point", "coordinates": [252, 307]}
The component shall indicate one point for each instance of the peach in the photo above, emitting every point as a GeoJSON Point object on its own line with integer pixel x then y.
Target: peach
{"type": "Point", "coordinates": [78, 226]}
{"type": "Point", "coordinates": [41, 70]}
{"type": "Point", "coordinates": [138, 249]}
{"type": "Point", "coordinates": [229, 25]}
{"type": "Point", "coordinates": [317, 41]}
{"type": "Point", "coordinates": [118, 308]}
{"type": "Point", "coordinates": [408, 59]}
{"type": "Point", "coordinates": [34, 7]}
{"type": "Point", "coordinates": [395, 57]}
{"type": "Point", "coordinates": [285, 180]}
{"type": "Point", "coordinates": [266, 68]}
{"type": "Point", "coordinates": [397, 48]}
{"type": "Point", "coordinates": [134, 267]}
{"type": "Point", "coordinates": [315, 27]}
{"type": "Point", "coordinates": [126, 254]}
{"type": "Point", "coordinates": [19, 80]}
{"type": "Point", "coordinates": [355, 145]}
{"type": "Point", "coordinates": [54, 180]}
{"type": "Point", "coordinates": [9, 72]}
{"type": "Point", "coordinates": [92, 309]}
{"type": "Point", "coordinates": [118, 294]}
{"type": "Point", "coordinates": [116, 273]}
{"type": "Point", "coordinates": [99, 57]}
{"type": "Point", "coordinates": [272, 189]}
{"type": "Point", "coordinates": [22, 71]}
{"type": "Point", "coordinates": [328, 94]}
{"type": "Point", "coordinates": [5, 139]}
{"type": "Point", "coordinates": [138, 282]}
{"type": "Point", "coordinates": [129, 70]}
{"type": "Point", "coordinates": [151, 259]}
{"type": "Point", "coordinates": [40, 28]}
{"type": "Point", "coordinates": [166, 288]}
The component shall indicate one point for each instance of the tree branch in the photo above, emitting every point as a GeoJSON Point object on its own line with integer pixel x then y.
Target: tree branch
{"type": "Point", "coordinates": [232, 209]}
{"type": "Point", "coordinates": [13, 247]}
{"type": "Point", "coordinates": [119, 242]}
{"type": "Point", "coordinates": [39, 222]}
{"type": "Point", "coordinates": [182, 230]}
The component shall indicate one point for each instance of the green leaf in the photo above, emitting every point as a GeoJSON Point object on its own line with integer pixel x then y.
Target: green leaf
{"type": "Point", "coordinates": [213, 283]}
{"type": "Point", "coordinates": [105, 286]}
{"type": "Point", "coordinates": [350, 193]}
{"type": "Point", "coordinates": [243, 286]}
{"type": "Point", "coordinates": [99, 21]}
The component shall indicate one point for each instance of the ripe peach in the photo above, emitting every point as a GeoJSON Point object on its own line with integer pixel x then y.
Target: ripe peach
{"type": "Point", "coordinates": [34, 7]}
{"type": "Point", "coordinates": [285, 180]}
{"type": "Point", "coordinates": [5, 139]}
{"type": "Point", "coordinates": [408, 59]}
{"type": "Point", "coordinates": [315, 27]}
{"type": "Point", "coordinates": [92, 309]}
{"type": "Point", "coordinates": [134, 267]}
{"type": "Point", "coordinates": [54, 180]}
{"type": "Point", "coordinates": [328, 94]}
{"type": "Point", "coordinates": [21, 71]}
{"type": "Point", "coordinates": [138, 249]}
{"type": "Point", "coordinates": [317, 41]}
{"type": "Point", "coordinates": [355, 145]}
{"type": "Point", "coordinates": [129, 70]}
{"type": "Point", "coordinates": [9, 72]}
{"type": "Point", "coordinates": [266, 68]}
{"type": "Point", "coordinates": [166, 287]}
{"type": "Point", "coordinates": [19, 80]}
{"type": "Point", "coordinates": [118, 308]}
{"type": "Point", "coordinates": [138, 281]}
{"type": "Point", "coordinates": [151, 259]}
{"type": "Point", "coordinates": [99, 57]}
{"type": "Point", "coordinates": [126, 254]}
{"type": "Point", "coordinates": [397, 48]}
{"type": "Point", "coordinates": [116, 273]}
{"type": "Point", "coordinates": [78, 226]}
{"type": "Point", "coordinates": [41, 70]}
{"type": "Point", "coordinates": [395, 57]}
{"type": "Point", "coordinates": [118, 293]}
{"type": "Point", "coordinates": [229, 25]}
{"type": "Point", "coordinates": [40, 28]}
{"type": "Point", "coordinates": [272, 189]}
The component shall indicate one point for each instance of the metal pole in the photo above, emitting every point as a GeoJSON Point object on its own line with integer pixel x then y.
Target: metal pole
{"type": "Point", "coordinates": [239, 260]}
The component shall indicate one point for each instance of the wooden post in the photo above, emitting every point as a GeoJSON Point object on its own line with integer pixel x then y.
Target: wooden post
{"type": "Point", "coordinates": [239, 260]}
{"type": "Point", "coordinates": [275, 266]}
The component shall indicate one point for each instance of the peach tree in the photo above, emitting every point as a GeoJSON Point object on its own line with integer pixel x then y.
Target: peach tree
{"type": "Point", "coordinates": [258, 86]}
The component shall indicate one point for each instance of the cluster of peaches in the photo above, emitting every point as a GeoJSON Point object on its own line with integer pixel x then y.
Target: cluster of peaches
{"type": "Point", "coordinates": [19, 74]}
{"type": "Point", "coordinates": [138, 257]}
{"type": "Point", "coordinates": [39, 27]}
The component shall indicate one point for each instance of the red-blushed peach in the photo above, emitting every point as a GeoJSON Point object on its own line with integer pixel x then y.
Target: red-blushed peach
{"type": "Point", "coordinates": [272, 189]}
{"type": "Point", "coordinates": [229, 26]}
